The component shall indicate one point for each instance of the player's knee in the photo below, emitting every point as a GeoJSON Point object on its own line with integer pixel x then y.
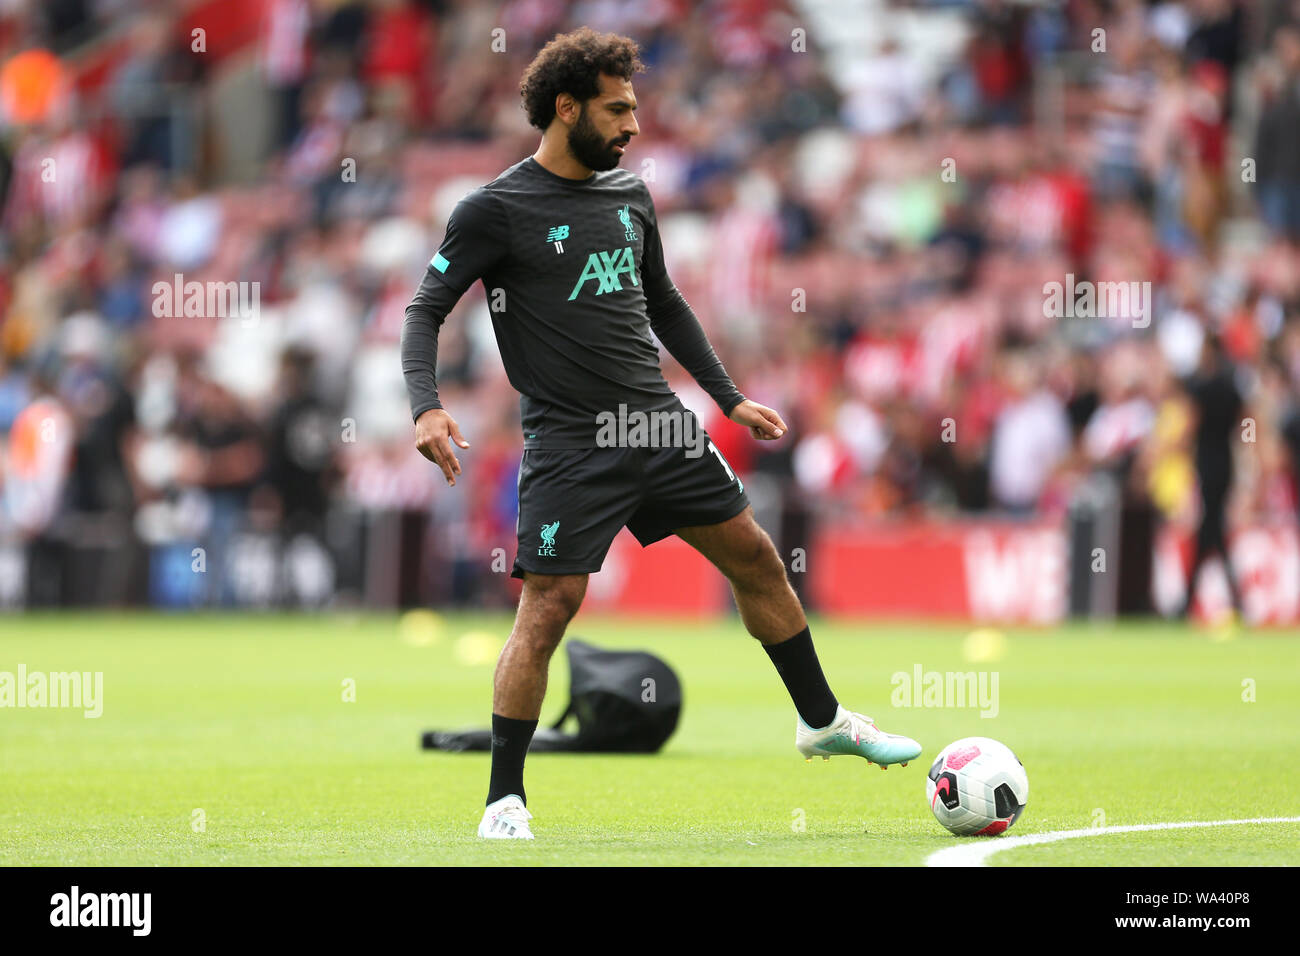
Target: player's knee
{"type": "Point", "coordinates": [556, 597]}
{"type": "Point", "coordinates": [754, 562]}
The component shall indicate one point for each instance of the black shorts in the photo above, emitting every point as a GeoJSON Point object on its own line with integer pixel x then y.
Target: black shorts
{"type": "Point", "coordinates": [573, 502]}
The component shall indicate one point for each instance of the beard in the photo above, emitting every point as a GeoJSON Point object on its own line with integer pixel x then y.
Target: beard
{"type": "Point", "coordinates": [589, 149]}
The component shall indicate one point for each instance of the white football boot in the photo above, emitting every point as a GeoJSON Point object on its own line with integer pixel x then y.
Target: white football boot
{"type": "Point", "coordinates": [855, 734]}
{"type": "Point", "coordinates": [507, 819]}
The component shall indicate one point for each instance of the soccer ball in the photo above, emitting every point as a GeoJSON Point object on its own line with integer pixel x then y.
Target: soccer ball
{"type": "Point", "coordinates": [977, 786]}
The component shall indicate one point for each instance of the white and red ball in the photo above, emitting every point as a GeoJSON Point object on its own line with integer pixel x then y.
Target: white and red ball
{"type": "Point", "coordinates": [977, 786]}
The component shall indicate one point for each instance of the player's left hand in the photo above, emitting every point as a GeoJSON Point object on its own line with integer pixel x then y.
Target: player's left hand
{"type": "Point", "coordinates": [763, 423]}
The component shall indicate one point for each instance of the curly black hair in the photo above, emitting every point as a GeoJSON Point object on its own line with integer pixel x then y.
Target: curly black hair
{"type": "Point", "coordinates": [572, 63]}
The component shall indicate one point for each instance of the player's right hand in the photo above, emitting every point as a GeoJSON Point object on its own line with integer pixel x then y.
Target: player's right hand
{"type": "Point", "coordinates": [435, 430]}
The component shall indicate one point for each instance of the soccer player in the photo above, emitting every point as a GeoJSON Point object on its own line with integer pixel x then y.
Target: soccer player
{"type": "Point", "coordinates": [569, 251]}
{"type": "Point", "coordinates": [1218, 404]}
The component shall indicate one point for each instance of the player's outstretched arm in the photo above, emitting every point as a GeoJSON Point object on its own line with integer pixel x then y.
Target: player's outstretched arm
{"type": "Point", "coordinates": [435, 431]}
{"type": "Point", "coordinates": [763, 423]}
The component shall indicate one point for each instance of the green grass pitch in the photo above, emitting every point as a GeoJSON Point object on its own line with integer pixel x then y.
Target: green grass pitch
{"type": "Point", "coordinates": [227, 740]}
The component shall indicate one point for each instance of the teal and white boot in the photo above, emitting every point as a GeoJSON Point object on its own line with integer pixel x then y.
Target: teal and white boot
{"type": "Point", "coordinates": [855, 734]}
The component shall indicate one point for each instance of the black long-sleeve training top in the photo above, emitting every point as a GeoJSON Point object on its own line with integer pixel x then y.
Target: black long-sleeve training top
{"type": "Point", "coordinates": [575, 279]}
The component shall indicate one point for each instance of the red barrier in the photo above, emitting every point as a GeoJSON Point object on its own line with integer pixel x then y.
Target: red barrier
{"type": "Point", "coordinates": [982, 571]}
{"type": "Point", "coordinates": [978, 571]}
{"type": "Point", "coordinates": [1266, 560]}
{"type": "Point", "coordinates": [669, 577]}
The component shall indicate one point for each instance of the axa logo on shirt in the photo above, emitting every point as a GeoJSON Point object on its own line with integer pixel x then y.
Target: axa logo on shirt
{"type": "Point", "coordinates": [604, 268]}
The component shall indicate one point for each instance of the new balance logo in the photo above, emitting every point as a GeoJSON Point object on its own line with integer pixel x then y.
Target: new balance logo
{"type": "Point", "coordinates": [557, 235]}
{"type": "Point", "coordinates": [547, 549]}
{"type": "Point", "coordinates": [605, 268]}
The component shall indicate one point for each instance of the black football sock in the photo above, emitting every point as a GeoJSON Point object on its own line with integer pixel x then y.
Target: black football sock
{"type": "Point", "coordinates": [796, 662]}
{"type": "Point", "coordinates": [510, 740]}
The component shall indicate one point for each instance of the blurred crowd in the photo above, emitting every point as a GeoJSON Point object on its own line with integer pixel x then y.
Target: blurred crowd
{"type": "Point", "coordinates": [866, 234]}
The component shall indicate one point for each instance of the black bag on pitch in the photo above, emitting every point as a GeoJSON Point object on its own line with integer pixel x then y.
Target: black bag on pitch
{"type": "Point", "coordinates": [624, 701]}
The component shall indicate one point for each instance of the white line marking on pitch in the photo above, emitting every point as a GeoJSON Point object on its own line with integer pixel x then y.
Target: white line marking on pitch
{"type": "Point", "coordinates": [974, 854]}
